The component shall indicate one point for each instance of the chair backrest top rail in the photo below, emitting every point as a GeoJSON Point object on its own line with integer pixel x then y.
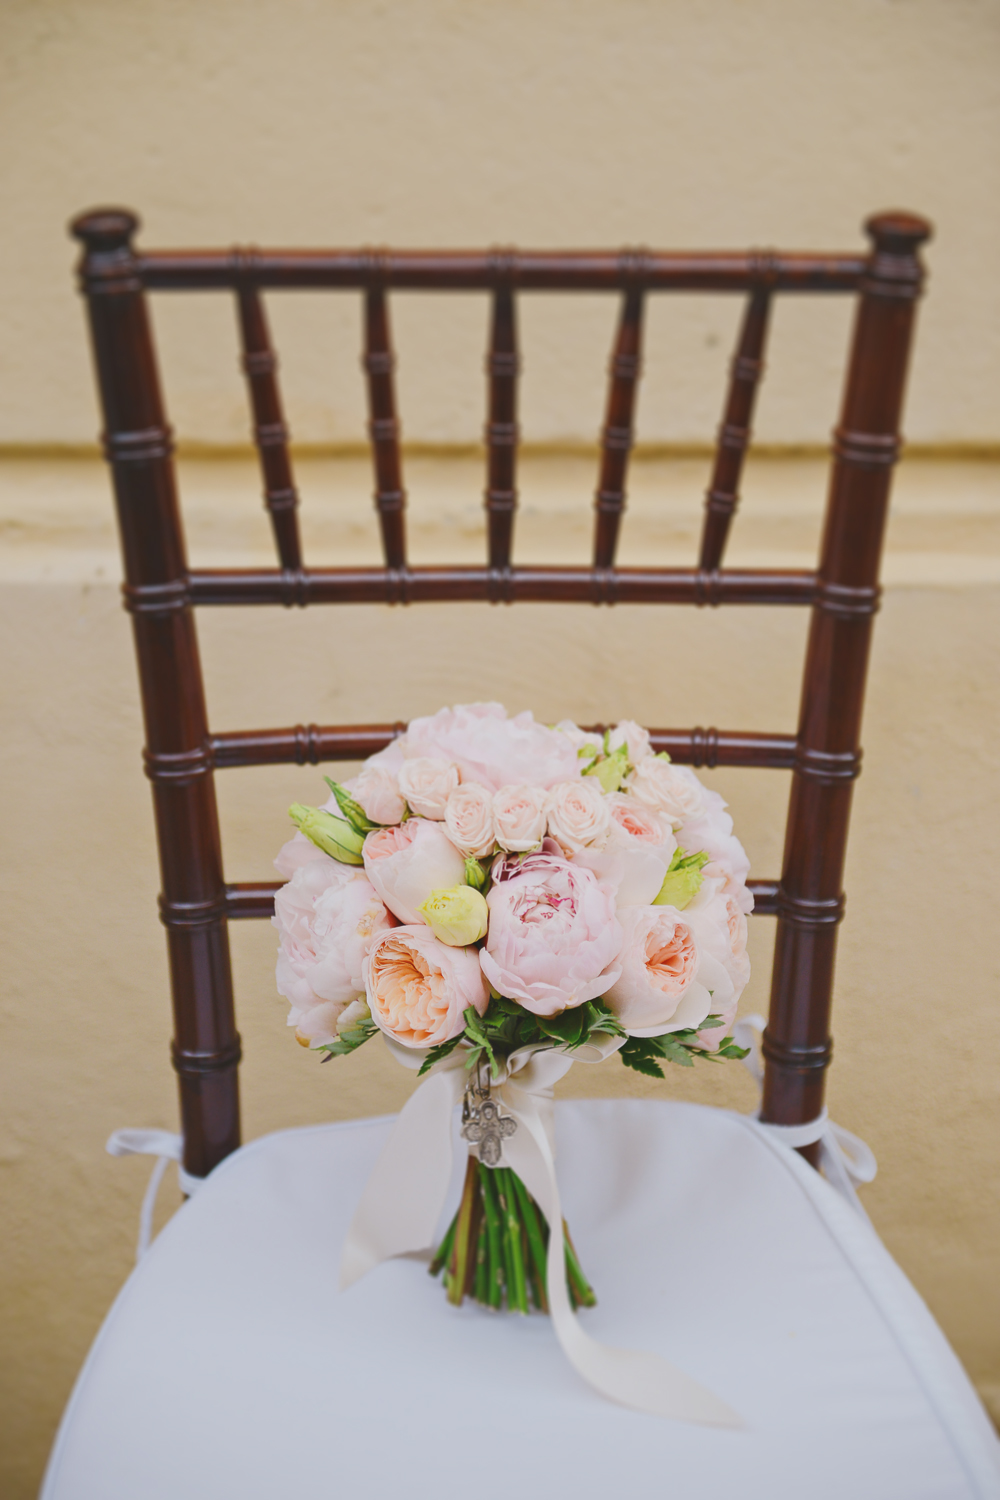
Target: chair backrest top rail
{"type": "Point", "coordinates": [485, 270]}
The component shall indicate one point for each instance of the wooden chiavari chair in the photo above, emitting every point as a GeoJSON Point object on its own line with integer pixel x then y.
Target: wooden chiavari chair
{"type": "Point", "coordinates": [162, 594]}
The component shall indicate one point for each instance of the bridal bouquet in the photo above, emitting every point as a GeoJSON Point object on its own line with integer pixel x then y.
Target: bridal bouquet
{"type": "Point", "coordinates": [498, 899]}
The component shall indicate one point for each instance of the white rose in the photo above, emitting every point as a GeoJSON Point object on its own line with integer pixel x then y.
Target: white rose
{"type": "Point", "coordinates": [519, 817]}
{"type": "Point", "coordinates": [633, 737]}
{"type": "Point", "coordinates": [469, 819]}
{"type": "Point", "coordinates": [427, 783]}
{"type": "Point", "coordinates": [578, 813]}
{"type": "Point", "coordinates": [376, 790]}
{"type": "Point", "coordinates": [673, 791]}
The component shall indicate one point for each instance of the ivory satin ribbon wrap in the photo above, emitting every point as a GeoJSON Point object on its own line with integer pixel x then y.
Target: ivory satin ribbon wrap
{"type": "Point", "coordinates": [402, 1203]}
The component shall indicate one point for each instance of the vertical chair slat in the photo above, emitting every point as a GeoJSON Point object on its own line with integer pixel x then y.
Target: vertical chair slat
{"type": "Point", "coordinates": [502, 366]}
{"type": "Point", "coordinates": [260, 365]}
{"type": "Point", "coordinates": [378, 362]}
{"type": "Point", "coordinates": [616, 438]}
{"type": "Point", "coordinates": [206, 1048]}
{"type": "Point", "coordinates": [734, 433]}
{"type": "Point", "coordinates": [810, 901]}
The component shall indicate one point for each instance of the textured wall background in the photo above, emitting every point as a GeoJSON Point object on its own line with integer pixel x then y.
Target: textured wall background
{"type": "Point", "coordinates": [550, 122]}
{"type": "Point", "coordinates": [545, 122]}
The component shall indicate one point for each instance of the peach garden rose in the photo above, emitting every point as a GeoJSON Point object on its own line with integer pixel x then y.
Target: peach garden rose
{"type": "Point", "coordinates": [419, 989]}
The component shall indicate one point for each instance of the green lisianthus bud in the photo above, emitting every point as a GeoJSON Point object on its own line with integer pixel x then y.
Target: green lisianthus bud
{"type": "Point", "coordinates": [332, 835]}
{"type": "Point", "coordinates": [682, 881]}
{"type": "Point", "coordinates": [611, 771]}
{"type": "Point", "coordinates": [475, 875]}
{"type": "Point", "coordinates": [458, 916]}
{"type": "Point", "coordinates": [350, 809]}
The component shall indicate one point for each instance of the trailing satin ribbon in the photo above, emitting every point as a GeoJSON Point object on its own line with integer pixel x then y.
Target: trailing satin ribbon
{"type": "Point", "coordinates": [404, 1197]}
{"type": "Point", "coordinates": [845, 1159]}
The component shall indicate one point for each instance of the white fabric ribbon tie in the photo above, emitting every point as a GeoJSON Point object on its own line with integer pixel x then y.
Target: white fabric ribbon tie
{"type": "Point", "coordinates": [404, 1197]}
{"type": "Point", "coordinates": [166, 1147]}
{"type": "Point", "coordinates": [845, 1159]}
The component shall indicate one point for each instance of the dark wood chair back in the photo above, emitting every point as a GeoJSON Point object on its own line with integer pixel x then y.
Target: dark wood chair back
{"type": "Point", "coordinates": [182, 753]}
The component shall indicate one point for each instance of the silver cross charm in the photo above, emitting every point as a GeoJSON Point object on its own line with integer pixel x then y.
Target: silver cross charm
{"type": "Point", "coordinates": [485, 1127]}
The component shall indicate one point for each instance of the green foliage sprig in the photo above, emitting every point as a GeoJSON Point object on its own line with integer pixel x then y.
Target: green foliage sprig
{"type": "Point", "coordinates": [506, 1026]}
{"type": "Point", "coordinates": [646, 1053]}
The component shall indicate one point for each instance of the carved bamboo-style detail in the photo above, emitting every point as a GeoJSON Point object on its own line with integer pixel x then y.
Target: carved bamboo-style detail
{"type": "Point", "coordinates": [502, 365]}
{"type": "Point", "coordinates": [137, 442]}
{"type": "Point", "coordinates": [797, 1046]}
{"type": "Point", "coordinates": [616, 438]}
{"type": "Point", "coordinates": [270, 434]}
{"type": "Point", "coordinates": [734, 432]}
{"type": "Point", "coordinates": [181, 754]}
{"type": "Point", "coordinates": [383, 426]}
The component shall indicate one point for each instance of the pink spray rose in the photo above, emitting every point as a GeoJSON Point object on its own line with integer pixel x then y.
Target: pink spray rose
{"type": "Point", "coordinates": [419, 989]}
{"type": "Point", "coordinates": [672, 791]}
{"type": "Point", "coordinates": [666, 973]}
{"type": "Point", "coordinates": [469, 819]}
{"type": "Point", "coordinates": [376, 789]}
{"type": "Point", "coordinates": [427, 783]}
{"type": "Point", "coordinates": [553, 937]}
{"type": "Point", "coordinates": [328, 916]}
{"type": "Point", "coordinates": [633, 737]}
{"type": "Point", "coordinates": [491, 749]}
{"type": "Point", "coordinates": [519, 817]}
{"type": "Point", "coordinates": [407, 863]}
{"type": "Point", "coordinates": [578, 813]}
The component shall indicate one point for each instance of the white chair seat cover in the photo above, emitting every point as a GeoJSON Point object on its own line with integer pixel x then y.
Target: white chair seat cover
{"type": "Point", "coordinates": [230, 1368]}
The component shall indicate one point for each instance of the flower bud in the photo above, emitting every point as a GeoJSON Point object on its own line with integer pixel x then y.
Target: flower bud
{"type": "Point", "coordinates": [458, 916]}
{"type": "Point", "coordinates": [332, 835]}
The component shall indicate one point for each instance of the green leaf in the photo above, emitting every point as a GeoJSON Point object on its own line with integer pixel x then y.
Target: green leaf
{"type": "Point", "coordinates": [437, 1053]}
{"type": "Point", "coordinates": [352, 810]}
{"type": "Point", "coordinates": [682, 881]}
{"type": "Point", "coordinates": [638, 1054]}
{"type": "Point", "coordinates": [610, 771]}
{"type": "Point", "coordinates": [567, 1028]}
{"type": "Point", "coordinates": [349, 1040]}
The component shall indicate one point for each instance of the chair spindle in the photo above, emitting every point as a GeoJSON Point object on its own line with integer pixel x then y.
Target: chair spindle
{"type": "Point", "coordinates": [502, 367]}
{"type": "Point", "coordinates": [734, 433]}
{"type": "Point", "coordinates": [260, 365]}
{"type": "Point", "coordinates": [378, 362]}
{"type": "Point", "coordinates": [616, 439]}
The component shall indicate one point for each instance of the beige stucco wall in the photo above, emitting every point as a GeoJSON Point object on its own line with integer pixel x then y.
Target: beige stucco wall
{"type": "Point", "coordinates": [545, 123]}
{"type": "Point", "coordinates": [85, 1010]}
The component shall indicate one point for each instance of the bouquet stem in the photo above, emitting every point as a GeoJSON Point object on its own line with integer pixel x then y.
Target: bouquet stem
{"type": "Point", "coordinates": [497, 1245]}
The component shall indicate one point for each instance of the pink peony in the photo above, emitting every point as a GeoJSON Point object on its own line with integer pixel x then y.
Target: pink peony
{"type": "Point", "coordinates": [407, 863]}
{"type": "Point", "coordinates": [328, 916]}
{"type": "Point", "coordinates": [578, 813]}
{"type": "Point", "coordinates": [670, 981]}
{"type": "Point", "coordinates": [519, 817]}
{"type": "Point", "coordinates": [553, 937]}
{"type": "Point", "coordinates": [636, 854]}
{"type": "Point", "coordinates": [297, 852]}
{"type": "Point", "coordinates": [419, 989]}
{"type": "Point", "coordinates": [469, 819]}
{"type": "Point", "coordinates": [712, 832]}
{"type": "Point", "coordinates": [546, 858]}
{"type": "Point", "coordinates": [376, 789]}
{"type": "Point", "coordinates": [491, 749]}
{"type": "Point", "coordinates": [426, 784]}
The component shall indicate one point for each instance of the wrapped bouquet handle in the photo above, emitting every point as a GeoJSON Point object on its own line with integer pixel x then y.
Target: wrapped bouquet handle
{"type": "Point", "coordinates": [404, 1197]}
